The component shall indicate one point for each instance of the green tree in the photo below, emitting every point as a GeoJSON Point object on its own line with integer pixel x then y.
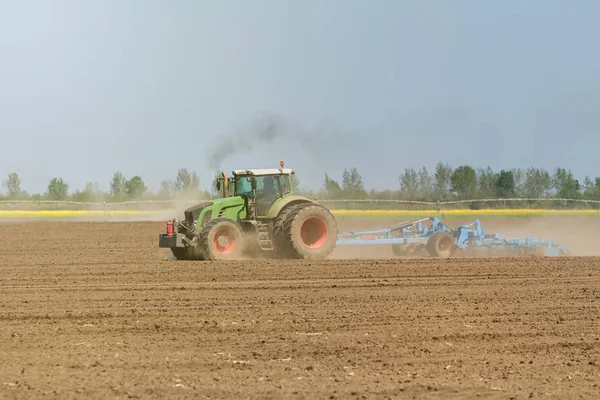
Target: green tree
{"type": "Point", "coordinates": [567, 187]}
{"type": "Point", "coordinates": [118, 186]}
{"type": "Point", "coordinates": [58, 190]}
{"type": "Point", "coordinates": [12, 184]}
{"type": "Point", "coordinates": [90, 193]}
{"type": "Point", "coordinates": [537, 183]}
{"type": "Point", "coordinates": [187, 181]}
{"type": "Point", "coordinates": [409, 184]}
{"type": "Point", "coordinates": [426, 183]}
{"type": "Point", "coordinates": [442, 182]}
{"type": "Point", "coordinates": [505, 184]}
{"type": "Point", "coordinates": [592, 188]}
{"type": "Point", "coordinates": [588, 183]}
{"type": "Point", "coordinates": [135, 188]}
{"type": "Point", "coordinates": [332, 188]}
{"type": "Point", "coordinates": [486, 180]}
{"type": "Point", "coordinates": [519, 178]}
{"type": "Point", "coordinates": [464, 182]}
{"type": "Point", "coordinates": [352, 184]}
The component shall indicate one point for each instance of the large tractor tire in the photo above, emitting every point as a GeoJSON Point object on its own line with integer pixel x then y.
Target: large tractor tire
{"type": "Point", "coordinates": [441, 245]}
{"type": "Point", "coordinates": [305, 231]}
{"type": "Point", "coordinates": [187, 253]}
{"type": "Point", "coordinates": [222, 239]}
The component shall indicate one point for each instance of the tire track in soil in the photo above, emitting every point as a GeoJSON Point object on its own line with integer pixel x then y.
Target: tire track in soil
{"type": "Point", "coordinates": [96, 310]}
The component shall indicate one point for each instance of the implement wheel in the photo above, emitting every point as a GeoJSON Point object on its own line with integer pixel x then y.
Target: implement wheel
{"type": "Point", "coordinates": [306, 230]}
{"type": "Point", "coordinates": [441, 245]}
{"type": "Point", "coordinates": [222, 239]}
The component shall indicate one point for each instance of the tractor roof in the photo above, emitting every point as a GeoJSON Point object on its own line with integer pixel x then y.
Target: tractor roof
{"type": "Point", "coordinates": [264, 171]}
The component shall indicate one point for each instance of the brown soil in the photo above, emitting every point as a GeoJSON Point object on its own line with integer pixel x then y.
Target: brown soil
{"type": "Point", "coordinates": [95, 310]}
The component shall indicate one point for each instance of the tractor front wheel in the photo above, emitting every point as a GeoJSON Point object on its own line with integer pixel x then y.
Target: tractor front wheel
{"type": "Point", "coordinates": [307, 231]}
{"type": "Point", "coordinates": [222, 239]}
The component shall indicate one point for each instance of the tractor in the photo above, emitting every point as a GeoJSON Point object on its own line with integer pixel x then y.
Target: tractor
{"type": "Point", "coordinates": [256, 215]}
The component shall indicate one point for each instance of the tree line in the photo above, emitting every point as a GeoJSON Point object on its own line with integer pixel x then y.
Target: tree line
{"type": "Point", "coordinates": [467, 183]}
{"type": "Point", "coordinates": [417, 184]}
{"type": "Point", "coordinates": [185, 185]}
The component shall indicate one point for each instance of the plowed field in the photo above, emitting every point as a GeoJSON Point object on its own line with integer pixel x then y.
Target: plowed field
{"type": "Point", "coordinates": [96, 310]}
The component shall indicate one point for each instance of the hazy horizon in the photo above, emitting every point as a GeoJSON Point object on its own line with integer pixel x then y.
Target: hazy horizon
{"type": "Point", "coordinates": [148, 87]}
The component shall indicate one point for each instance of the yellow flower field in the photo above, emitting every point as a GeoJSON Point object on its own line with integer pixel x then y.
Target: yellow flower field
{"type": "Point", "coordinates": [467, 212]}
{"type": "Point", "coordinates": [68, 213]}
{"type": "Point", "coordinates": [57, 214]}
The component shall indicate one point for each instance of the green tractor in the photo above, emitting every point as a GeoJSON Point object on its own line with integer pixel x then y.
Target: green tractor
{"type": "Point", "coordinates": [257, 215]}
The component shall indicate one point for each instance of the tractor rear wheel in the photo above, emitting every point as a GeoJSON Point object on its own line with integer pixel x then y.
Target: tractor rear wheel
{"type": "Point", "coordinates": [306, 230]}
{"type": "Point", "coordinates": [222, 239]}
{"type": "Point", "coordinates": [441, 245]}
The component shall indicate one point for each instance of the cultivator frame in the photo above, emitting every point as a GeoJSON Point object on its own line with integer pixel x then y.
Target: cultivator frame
{"type": "Point", "coordinates": [410, 232]}
{"type": "Point", "coordinates": [438, 240]}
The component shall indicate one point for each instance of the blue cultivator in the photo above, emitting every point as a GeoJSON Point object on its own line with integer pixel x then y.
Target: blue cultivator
{"type": "Point", "coordinates": [493, 244]}
{"type": "Point", "coordinates": [437, 240]}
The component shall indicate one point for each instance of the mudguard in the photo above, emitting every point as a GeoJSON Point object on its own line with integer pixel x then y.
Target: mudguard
{"type": "Point", "coordinates": [287, 201]}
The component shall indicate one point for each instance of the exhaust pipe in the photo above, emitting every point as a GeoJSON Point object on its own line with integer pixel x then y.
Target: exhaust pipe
{"type": "Point", "coordinates": [225, 185]}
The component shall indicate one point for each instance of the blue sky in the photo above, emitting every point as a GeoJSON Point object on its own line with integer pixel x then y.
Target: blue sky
{"type": "Point", "coordinates": [147, 87]}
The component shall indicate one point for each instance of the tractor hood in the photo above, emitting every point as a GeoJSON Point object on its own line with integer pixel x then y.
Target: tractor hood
{"type": "Point", "coordinates": [191, 214]}
{"type": "Point", "coordinates": [228, 207]}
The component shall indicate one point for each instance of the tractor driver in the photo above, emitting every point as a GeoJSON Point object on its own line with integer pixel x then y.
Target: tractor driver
{"type": "Point", "coordinates": [269, 192]}
{"type": "Point", "coordinates": [267, 195]}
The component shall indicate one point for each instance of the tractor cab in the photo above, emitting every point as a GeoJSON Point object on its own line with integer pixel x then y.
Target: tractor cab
{"type": "Point", "coordinates": [261, 188]}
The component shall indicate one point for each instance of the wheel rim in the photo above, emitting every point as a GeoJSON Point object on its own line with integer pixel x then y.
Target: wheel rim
{"type": "Point", "coordinates": [313, 232]}
{"type": "Point", "coordinates": [445, 246]}
{"type": "Point", "coordinates": [224, 241]}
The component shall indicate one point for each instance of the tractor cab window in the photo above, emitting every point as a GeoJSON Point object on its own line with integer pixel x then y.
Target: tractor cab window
{"type": "Point", "coordinates": [243, 186]}
{"type": "Point", "coordinates": [282, 184]}
{"type": "Point", "coordinates": [277, 184]}
{"type": "Point", "coordinates": [269, 185]}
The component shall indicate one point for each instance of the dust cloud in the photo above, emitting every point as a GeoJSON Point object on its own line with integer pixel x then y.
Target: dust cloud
{"type": "Point", "coordinates": [577, 233]}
